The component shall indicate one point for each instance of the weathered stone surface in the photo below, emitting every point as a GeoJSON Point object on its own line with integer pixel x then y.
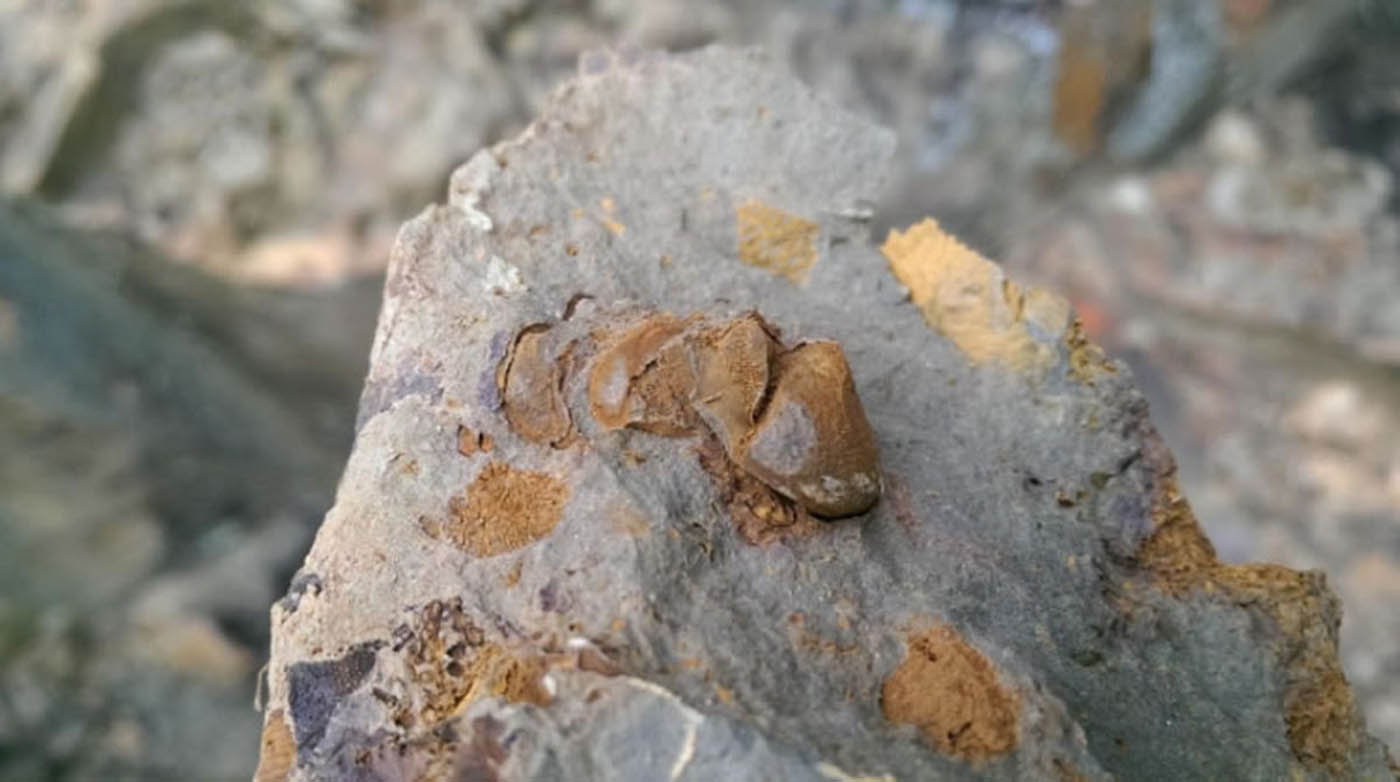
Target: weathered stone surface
{"type": "Point", "coordinates": [1030, 552]}
{"type": "Point", "coordinates": [1258, 312]}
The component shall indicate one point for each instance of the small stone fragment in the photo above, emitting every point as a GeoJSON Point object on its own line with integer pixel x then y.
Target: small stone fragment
{"type": "Point", "coordinates": [467, 444]}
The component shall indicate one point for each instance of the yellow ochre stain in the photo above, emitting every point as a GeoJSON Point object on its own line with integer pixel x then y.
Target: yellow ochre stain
{"type": "Point", "coordinates": [609, 221]}
{"type": "Point", "coordinates": [778, 241]}
{"type": "Point", "coordinates": [968, 299]}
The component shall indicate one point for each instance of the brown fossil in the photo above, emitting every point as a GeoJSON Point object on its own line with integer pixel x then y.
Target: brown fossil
{"type": "Point", "coordinates": [790, 417]}
{"type": "Point", "coordinates": [811, 442]}
{"type": "Point", "coordinates": [530, 382]}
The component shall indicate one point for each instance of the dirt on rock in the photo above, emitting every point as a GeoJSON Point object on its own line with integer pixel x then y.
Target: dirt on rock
{"type": "Point", "coordinates": [504, 509]}
{"type": "Point", "coordinates": [952, 694]}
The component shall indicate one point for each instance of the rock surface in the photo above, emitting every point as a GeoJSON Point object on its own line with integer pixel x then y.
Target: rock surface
{"type": "Point", "coordinates": [1259, 317]}
{"type": "Point", "coordinates": [535, 595]}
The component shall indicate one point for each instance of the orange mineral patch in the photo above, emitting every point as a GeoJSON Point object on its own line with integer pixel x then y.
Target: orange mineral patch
{"type": "Point", "coordinates": [1320, 711]}
{"type": "Point", "coordinates": [952, 694]}
{"type": "Point", "coordinates": [501, 674]}
{"type": "Point", "coordinates": [968, 299]}
{"type": "Point", "coordinates": [760, 514]}
{"type": "Point", "coordinates": [279, 751]}
{"type": "Point", "coordinates": [504, 509]}
{"type": "Point", "coordinates": [778, 241]}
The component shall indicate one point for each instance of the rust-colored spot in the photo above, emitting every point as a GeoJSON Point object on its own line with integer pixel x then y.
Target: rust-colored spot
{"type": "Point", "coordinates": [468, 442]}
{"type": "Point", "coordinates": [614, 227]}
{"type": "Point", "coordinates": [778, 241]}
{"type": "Point", "coordinates": [278, 753]}
{"type": "Point", "coordinates": [609, 222]}
{"type": "Point", "coordinates": [504, 509]}
{"type": "Point", "coordinates": [760, 515]}
{"type": "Point", "coordinates": [531, 389]}
{"type": "Point", "coordinates": [968, 299]}
{"type": "Point", "coordinates": [951, 693]}
{"type": "Point", "coordinates": [513, 677]}
{"type": "Point", "coordinates": [1087, 361]}
{"type": "Point", "coordinates": [1319, 707]}
{"type": "Point", "coordinates": [1178, 553]}
{"type": "Point", "coordinates": [513, 575]}
{"type": "Point", "coordinates": [1320, 711]}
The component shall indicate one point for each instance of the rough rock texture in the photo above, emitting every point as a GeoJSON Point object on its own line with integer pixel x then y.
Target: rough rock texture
{"type": "Point", "coordinates": [168, 442]}
{"type": "Point", "coordinates": [273, 140]}
{"type": "Point", "coordinates": [1030, 599]}
{"type": "Point", "coordinates": [1259, 316]}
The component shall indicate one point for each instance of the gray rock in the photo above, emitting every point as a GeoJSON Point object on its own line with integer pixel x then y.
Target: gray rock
{"type": "Point", "coordinates": [271, 140]}
{"type": "Point", "coordinates": [1031, 598]}
{"type": "Point", "coordinates": [1264, 330]}
{"type": "Point", "coordinates": [169, 442]}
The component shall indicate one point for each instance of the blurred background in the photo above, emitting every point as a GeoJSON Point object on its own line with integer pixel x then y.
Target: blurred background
{"type": "Point", "coordinates": [197, 199]}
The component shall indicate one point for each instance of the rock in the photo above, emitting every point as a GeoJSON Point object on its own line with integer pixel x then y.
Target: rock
{"type": "Point", "coordinates": [1250, 280]}
{"type": "Point", "coordinates": [169, 441]}
{"type": "Point", "coordinates": [208, 126]}
{"type": "Point", "coordinates": [513, 586]}
{"type": "Point", "coordinates": [1289, 236]}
